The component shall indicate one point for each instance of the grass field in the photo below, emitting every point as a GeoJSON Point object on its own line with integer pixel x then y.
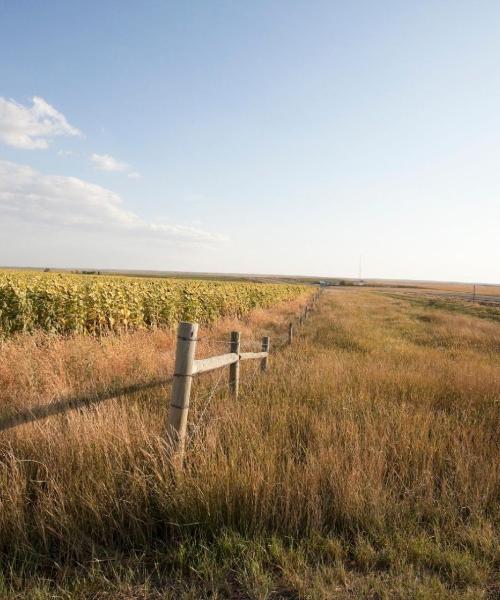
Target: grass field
{"type": "Point", "coordinates": [364, 464]}
{"type": "Point", "coordinates": [481, 289]}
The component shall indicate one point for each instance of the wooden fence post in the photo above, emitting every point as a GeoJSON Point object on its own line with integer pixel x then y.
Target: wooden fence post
{"type": "Point", "coordinates": [265, 348]}
{"type": "Point", "coordinates": [187, 334]}
{"type": "Point", "coordinates": [234, 368]}
{"type": "Point", "coordinates": [290, 333]}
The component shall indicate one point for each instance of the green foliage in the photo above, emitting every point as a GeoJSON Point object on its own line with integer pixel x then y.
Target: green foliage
{"type": "Point", "coordinates": [68, 303]}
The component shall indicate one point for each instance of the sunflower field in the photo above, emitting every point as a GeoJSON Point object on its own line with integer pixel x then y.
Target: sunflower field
{"type": "Point", "coordinates": [97, 304]}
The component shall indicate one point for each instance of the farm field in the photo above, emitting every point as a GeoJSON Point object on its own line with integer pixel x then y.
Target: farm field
{"type": "Point", "coordinates": [66, 303]}
{"type": "Point", "coordinates": [437, 286]}
{"type": "Point", "coordinates": [363, 464]}
{"type": "Point", "coordinates": [483, 296]}
{"type": "Point", "coordinates": [462, 288]}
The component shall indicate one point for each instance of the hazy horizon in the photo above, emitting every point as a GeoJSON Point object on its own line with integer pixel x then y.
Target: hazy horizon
{"type": "Point", "coordinates": [320, 276]}
{"type": "Point", "coordinates": [266, 138]}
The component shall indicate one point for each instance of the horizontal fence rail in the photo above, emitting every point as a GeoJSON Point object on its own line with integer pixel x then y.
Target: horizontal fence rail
{"type": "Point", "coordinates": [250, 355]}
{"type": "Point", "coordinates": [215, 362]}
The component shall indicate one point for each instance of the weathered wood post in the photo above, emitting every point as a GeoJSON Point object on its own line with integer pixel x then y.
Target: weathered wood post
{"type": "Point", "coordinates": [290, 333]}
{"type": "Point", "coordinates": [187, 334]}
{"type": "Point", "coordinates": [305, 313]}
{"type": "Point", "coordinates": [234, 368]}
{"type": "Point", "coordinates": [265, 348]}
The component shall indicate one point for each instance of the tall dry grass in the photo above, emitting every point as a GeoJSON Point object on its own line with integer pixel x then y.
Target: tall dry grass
{"type": "Point", "coordinates": [40, 368]}
{"type": "Point", "coordinates": [365, 462]}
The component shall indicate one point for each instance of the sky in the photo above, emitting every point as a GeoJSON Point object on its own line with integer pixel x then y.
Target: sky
{"type": "Point", "coordinates": [285, 137]}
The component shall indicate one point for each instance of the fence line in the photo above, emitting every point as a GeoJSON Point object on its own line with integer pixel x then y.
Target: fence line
{"type": "Point", "coordinates": [186, 367]}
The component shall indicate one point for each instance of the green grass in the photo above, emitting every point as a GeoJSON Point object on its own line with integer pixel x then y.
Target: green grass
{"type": "Point", "coordinates": [230, 565]}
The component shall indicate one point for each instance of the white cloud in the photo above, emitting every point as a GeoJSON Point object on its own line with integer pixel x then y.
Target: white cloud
{"type": "Point", "coordinates": [106, 162]}
{"type": "Point", "coordinates": [32, 127]}
{"type": "Point", "coordinates": [30, 197]}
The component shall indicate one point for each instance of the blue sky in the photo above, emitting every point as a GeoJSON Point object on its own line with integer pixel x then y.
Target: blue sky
{"type": "Point", "coordinates": [263, 137]}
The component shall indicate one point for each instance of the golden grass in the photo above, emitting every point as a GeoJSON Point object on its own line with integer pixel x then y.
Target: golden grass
{"type": "Point", "coordinates": [441, 286]}
{"type": "Point", "coordinates": [467, 288]}
{"type": "Point", "coordinates": [364, 464]}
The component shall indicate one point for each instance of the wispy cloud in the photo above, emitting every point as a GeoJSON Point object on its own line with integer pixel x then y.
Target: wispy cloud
{"type": "Point", "coordinates": [32, 127]}
{"type": "Point", "coordinates": [28, 196]}
{"type": "Point", "coordinates": [66, 153]}
{"type": "Point", "coordinates": [106, 162]}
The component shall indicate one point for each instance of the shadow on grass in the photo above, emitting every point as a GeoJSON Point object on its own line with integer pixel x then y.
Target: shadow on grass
{"type": "Point", "coordinates": [29, 415]}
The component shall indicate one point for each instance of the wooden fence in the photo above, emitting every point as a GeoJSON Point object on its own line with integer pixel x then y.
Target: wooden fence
{"type": "Point", "coordinates": [186, 367]}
